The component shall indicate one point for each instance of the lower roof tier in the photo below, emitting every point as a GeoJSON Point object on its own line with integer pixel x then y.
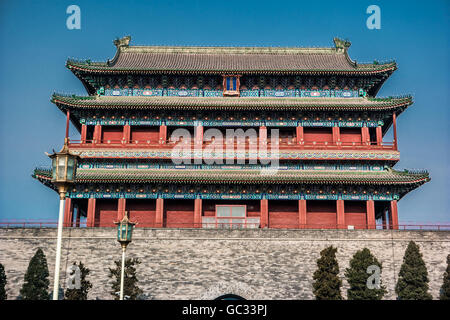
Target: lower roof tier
{"type": "Point", "coordinates": [248, 176]}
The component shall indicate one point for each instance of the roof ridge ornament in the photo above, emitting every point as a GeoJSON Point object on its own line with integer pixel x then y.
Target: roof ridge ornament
{"type": "Point", "coordinates": [341, 45]}
{"type": "Point", "coordinates": [122, 42]}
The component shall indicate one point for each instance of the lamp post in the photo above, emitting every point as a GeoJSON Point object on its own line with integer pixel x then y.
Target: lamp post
{"type": "Point", "coordinates": [64, 166]}
{"type": "Point", "coordinates": [124, 233]}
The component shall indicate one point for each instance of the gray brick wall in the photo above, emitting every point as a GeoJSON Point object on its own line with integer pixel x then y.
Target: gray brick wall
{"type": "Point", "coordinates": [206, 263]}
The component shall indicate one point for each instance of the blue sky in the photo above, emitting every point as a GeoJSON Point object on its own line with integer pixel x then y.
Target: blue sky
{"type": "Point", "coordinates": [36, 43]}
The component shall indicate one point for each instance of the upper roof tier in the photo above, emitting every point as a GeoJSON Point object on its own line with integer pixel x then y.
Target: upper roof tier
{"type": "Point", "coordinates": [242, 60]}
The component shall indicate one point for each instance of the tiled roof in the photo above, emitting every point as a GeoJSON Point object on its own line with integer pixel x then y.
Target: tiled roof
{"type": "Point", "coordinates": [245, 103]}
{"type": "Point", "coordinates": [231, 59]}
{"type": "Point", "coordinates": [243, 176]}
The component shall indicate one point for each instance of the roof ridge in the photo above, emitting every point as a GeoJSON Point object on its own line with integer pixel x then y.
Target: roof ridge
{"type": "Point", "coordinates": [123, 45]}
{"type": "Point", "coordinates": [229, 50]}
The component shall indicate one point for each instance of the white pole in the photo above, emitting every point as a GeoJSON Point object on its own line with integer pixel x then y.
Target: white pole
{"type": "Point", "coordinates": [122, 271]}
{"type": "Point", "coordinates": [58, 250]}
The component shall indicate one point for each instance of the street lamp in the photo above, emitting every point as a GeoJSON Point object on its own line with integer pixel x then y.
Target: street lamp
{"type": "Point", "coordinates": [124, 233]}
{"type": "Point", "coordinates": [64, 166]}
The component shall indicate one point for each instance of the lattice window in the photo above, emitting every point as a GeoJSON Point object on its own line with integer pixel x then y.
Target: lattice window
{"type": "Point", "coordinates": [233, 216]}
{"type": "Point", "coordinates": [231, 85]}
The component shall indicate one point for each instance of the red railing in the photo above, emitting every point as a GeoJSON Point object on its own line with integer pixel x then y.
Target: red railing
{"type": "Point", "coordinates": [283, 144]}
{"type": "Point", "coordinates": [213, 225]}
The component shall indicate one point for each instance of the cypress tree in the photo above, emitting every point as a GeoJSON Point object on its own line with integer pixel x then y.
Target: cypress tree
{"type": "Point", "coordinates": [327, 285]}
{"type": "Point", "coordinates": [3, 295]}
{"type": "Point", "coordinates": [357, 277]}
{"type": "Point", "coordinates": [445, 289]}
{"type": "Point", "coordinates": [85, 285]}
{"type": "Point", "coordinates": [36, 282]}
{"type": "Point", "coordinates": [130, 285]}
{"type": "Point", "coordinates": [413, 280]}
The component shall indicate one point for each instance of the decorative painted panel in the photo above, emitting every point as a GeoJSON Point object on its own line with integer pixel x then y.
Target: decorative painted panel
{"type": "Point", "coordinates": [278, 93]}
{"type": "Point", "coordinates": [249, 93]}
{"type": "Point", "coordinates": [212, 93]}
{"type": "Point", "coordinates": [157, 154]}
{"type": "Point", "coordinates": [184, 93]}
{"type": "Point", "coordinates": [148, 92]}
{"type": "Point", "coordinates": [225, 123]}
{"type": "Point", "coordinates": [215, 196]}
{"type": "Point", "coordinates": [307, 93]}
{"type": "Point", "coordinates": [304, 166]}
{"type": "Point", "coordinates": [222, 123]}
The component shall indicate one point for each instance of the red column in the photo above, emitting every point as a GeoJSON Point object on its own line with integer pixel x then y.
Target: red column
{"type": "Point", "coordinates": [68, 213]}
{"type": "Point", "coordinates": [394, 124]}
{"type": "Point", "coordinates": [199, 135]}
{"type": "Point", "coordinates": [336, 135]}
{"type": "Point", "coordinates": [77, 223]}
{"type": "Point", "coordinates": [340, 214]}
{"type": "Point", "coordinates": [198, 213]}
{"type": "Point", "coordinates": [162, 134]}
{"type": "Point", "coordinates": [262, 135]}
{"type": "Point", "coordinates": [300, 135]}
{"type": "Point", "coordinates": [264, 217]}
{"type": "Point", "coordinates": [126, 133]}
{"type": "Point", "coordinates": [97, 133]}
{"type": "Point", "coordinates": [83, 133]}
{"type": "Point", "coordinates": [302, 213]}
{"type": "Point", "coordinates": [121, 208]}
{"type": "Point", "coordinates": [159, 213]}
{"type": "Point", "coordinates": [90, 221]}
{"type": "Point", "coordinates": [67, 123]}
{"type": "Point", "coordinates": [365, 135]}
{"type": "Point", "coordinates": [393, 215]}
{"type": "Point", "coordinates": [370, 214]}
{"type": "Point", "coordinates": [379, 135]}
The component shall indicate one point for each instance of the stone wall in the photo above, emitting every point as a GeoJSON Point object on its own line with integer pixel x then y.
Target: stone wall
{"type": "Point", "coordinates": [206, 263]}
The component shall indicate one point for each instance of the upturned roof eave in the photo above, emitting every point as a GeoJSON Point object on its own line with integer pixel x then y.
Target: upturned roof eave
{"type": "Point", "coordinates": [240, 103]}
{"type": "Point", "coordinates": [414, 178]}
{"type": "Point", "coordinates": [84, 67]}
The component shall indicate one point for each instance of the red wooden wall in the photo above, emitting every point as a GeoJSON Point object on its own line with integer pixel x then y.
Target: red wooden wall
{"type": "Point", "coordinates": [318, 134]}
{"type": "Point", "coordinates": [142, 211]}
{"type": "Point", "coordinates": [112, 133]}
{"type": "Point", "coordinates": [350, 134]}
{"type": "Point", "coordinates": [321, 214]}
{"type": "Point", "coordinates": [105, 212]}
{"type": "Point", "coordinates": [283, 214]}
{"type": "Point", "coordinates": [355, 214]}
{"type": "Point", "coordinates": [178, 213]}
{"type": "Point", "coordinates": [144, 133]}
